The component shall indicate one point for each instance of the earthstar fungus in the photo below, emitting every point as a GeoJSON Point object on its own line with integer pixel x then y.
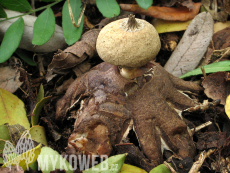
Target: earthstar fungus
{"type": "Point", "coordinates": [153, 99]}
{"type": "Point", "coordinates": [129, 43]}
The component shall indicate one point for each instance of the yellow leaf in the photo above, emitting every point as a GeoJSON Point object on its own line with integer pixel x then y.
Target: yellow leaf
{"type": "Point", "coordinates": [163, 26]}
{"type": "Point", "coordinates": [25, 159]}
{"type": "Point", "coordinates": [227, 106]}
{"type": "Point", "coordinates": [220, 25]}
{"type": "Point", "coordinates": [12, 110]}
{"type": "Point", "coordinates": [131, 169]}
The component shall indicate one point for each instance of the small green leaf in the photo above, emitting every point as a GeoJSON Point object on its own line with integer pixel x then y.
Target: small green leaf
{"type": "Point", "coordinates": [16, 5]}
{"type": "Point", "coordinates": [160, 169]}
{"type": "Point", "coordinates": [145, 4]}
{"type": "Point", "coordinates": [108, 8]}
{"type": "Point", "coordinates": [40, 93]}
{"type": "Point", "coordinates": [1, 160]}
{"type": "Point", "coordinates": [27, 56]}
{"type": "Point", "coordinates": [210, 68]}
{"type": "Point", "coordinates": [44, 27]}
{"type": "Point", "coordinates": [48, 0]}
{"type": "Point", "coordinates": [131, 169]}
{"type": "Point", "coordinates": [2, 13]}
{"type": "Point", "coordinates": [11, 39]}
{"type": "Point", "coordinates": [38, 134]}
{"type": "Point", "coordinates": [71, 33]}
{"type": "Point", "coordinates": [111, 165]}
{"type": "Point", "coordinates": [50, 160]}
{"type": "Point", "coordinates": [37, 110]}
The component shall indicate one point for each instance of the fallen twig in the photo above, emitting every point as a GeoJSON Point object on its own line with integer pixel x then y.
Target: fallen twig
{"type": "Point", "coordinates": [196, 166]}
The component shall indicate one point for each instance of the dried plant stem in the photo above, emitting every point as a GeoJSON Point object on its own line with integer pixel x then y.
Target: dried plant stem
{"type": "Point", "coordinates": [169, 167]}
{"type": "Point", "coordinates": [200, 127]}
{"type": "Point", "coordinates": [71, 15]}
{"type": "Point", "coordinates": [40, 66]}
{"type": "Point", "coordinates": [196, 166]}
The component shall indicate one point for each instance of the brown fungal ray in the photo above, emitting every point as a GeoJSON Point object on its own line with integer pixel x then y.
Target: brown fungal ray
{"type": "Point", "coordinates": [109, 101]}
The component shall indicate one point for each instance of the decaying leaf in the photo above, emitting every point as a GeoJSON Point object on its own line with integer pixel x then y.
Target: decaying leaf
{"type": "Point", "coordinates": [13, 169]}
{"type": "Point", "coordinates": [192, 46]}
{"type": "Point", "coordinates": [166, 13]}
{"type": "Point", "coordinates": [169, 3]}
{"type": "Point", "coordinates": [9, 79]}
{"type": "Point", "coordinates": [221, 39]}
{"type": "Point", "coordinates": [63, 61]}
{"type": "Point", "coordinates": [217, 86]}
{"type": "Point", "coordinates": [169, 41]}
{"type": "Point", "coordinates": [57, 41]}
{"type": "Point", "coordinates": [210, 140]}
{"type": "Point", "coordinates": [218, 9]}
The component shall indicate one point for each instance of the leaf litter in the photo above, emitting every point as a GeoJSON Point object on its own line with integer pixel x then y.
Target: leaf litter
{"type": "Point", "coordinates": [196, 117]}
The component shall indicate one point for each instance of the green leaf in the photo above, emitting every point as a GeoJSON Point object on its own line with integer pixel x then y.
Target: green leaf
{"type": "Point", "coordinates": [26, 56]}
{"type": "Point", "coordinates": [48, 0]}
{"type": "Point", "coordinates": [16, 5]}
{"type": "Point", "coordinates": [71, 33]}
{"type": "Point", "coordinates": [50, 160]}
{"type": "Point", "coordinates": [37, 110]}
{"type": "Point", "coordinates": [2, 13]}
{"type": "Point", "coordinates": [161, 169]}
{"type": "Point", "coordinates": [40, 93]}
{"type": "Point", "coordinates": [145, 3]}
{"type": "Point", "coordinates": [131, 169]}
{"type": "Point", "coordinates": [38, 134]}
{"type": "Point", "coordinates": [111, 165]}
{"type": "Point", "coordinates": [44, 27]}
{"type": "Point", "coordinates": [108, 8]}
{"type": "Point", "coordinates": [11, 39]}
{"type": "Point", "coordinates": [210, 68]}
{"type": "Point", "coordinates": [1, 160]}
{"type": "Point", "coordinates": [12, 110]}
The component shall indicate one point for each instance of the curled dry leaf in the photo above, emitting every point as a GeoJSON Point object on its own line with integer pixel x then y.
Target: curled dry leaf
{"type": "Point", "coordinates": [218, 9]}
{"type": "Point", "coordinates": [65, 60]}
{"type": "Point", "coordinates": [217, 86]}
{"type": "Point", "coordinates": [209, 140]}
{"type": "Point", "coordinates": [221, 39]}
{"type": "Point", "coordinates": [109, 102]}
{"type": "Point", "coordinates": [166, 13]}
{"type": "Point", "coordinates": [9, 79]}
{"type": "Point", "coordinates": [192, 46]}
{"type": "Point", "coordinates": [186, 3]}
{"type": "Point", "coordinates": [57, 41]}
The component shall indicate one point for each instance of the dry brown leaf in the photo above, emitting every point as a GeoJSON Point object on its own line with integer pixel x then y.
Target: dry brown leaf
{"type": "Point", "coordinates": [65, 85]}
{"type": "Point", "coordinates": [192, 46]}
{"type": "Point", "coordinates": [217, 86]}
{"type": "Point", "coordinates": [218, 9]}
{"type": "Point", "coordinates": [65, 60]}
{"type": "Point", "coordinates": [221, 39]}
{"type": "Point", "coordinates": [9, 79]}
{"type": "Point", "coordinates": [166, 13]}
{"type": "Point", "coordinates": [186, 3]}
